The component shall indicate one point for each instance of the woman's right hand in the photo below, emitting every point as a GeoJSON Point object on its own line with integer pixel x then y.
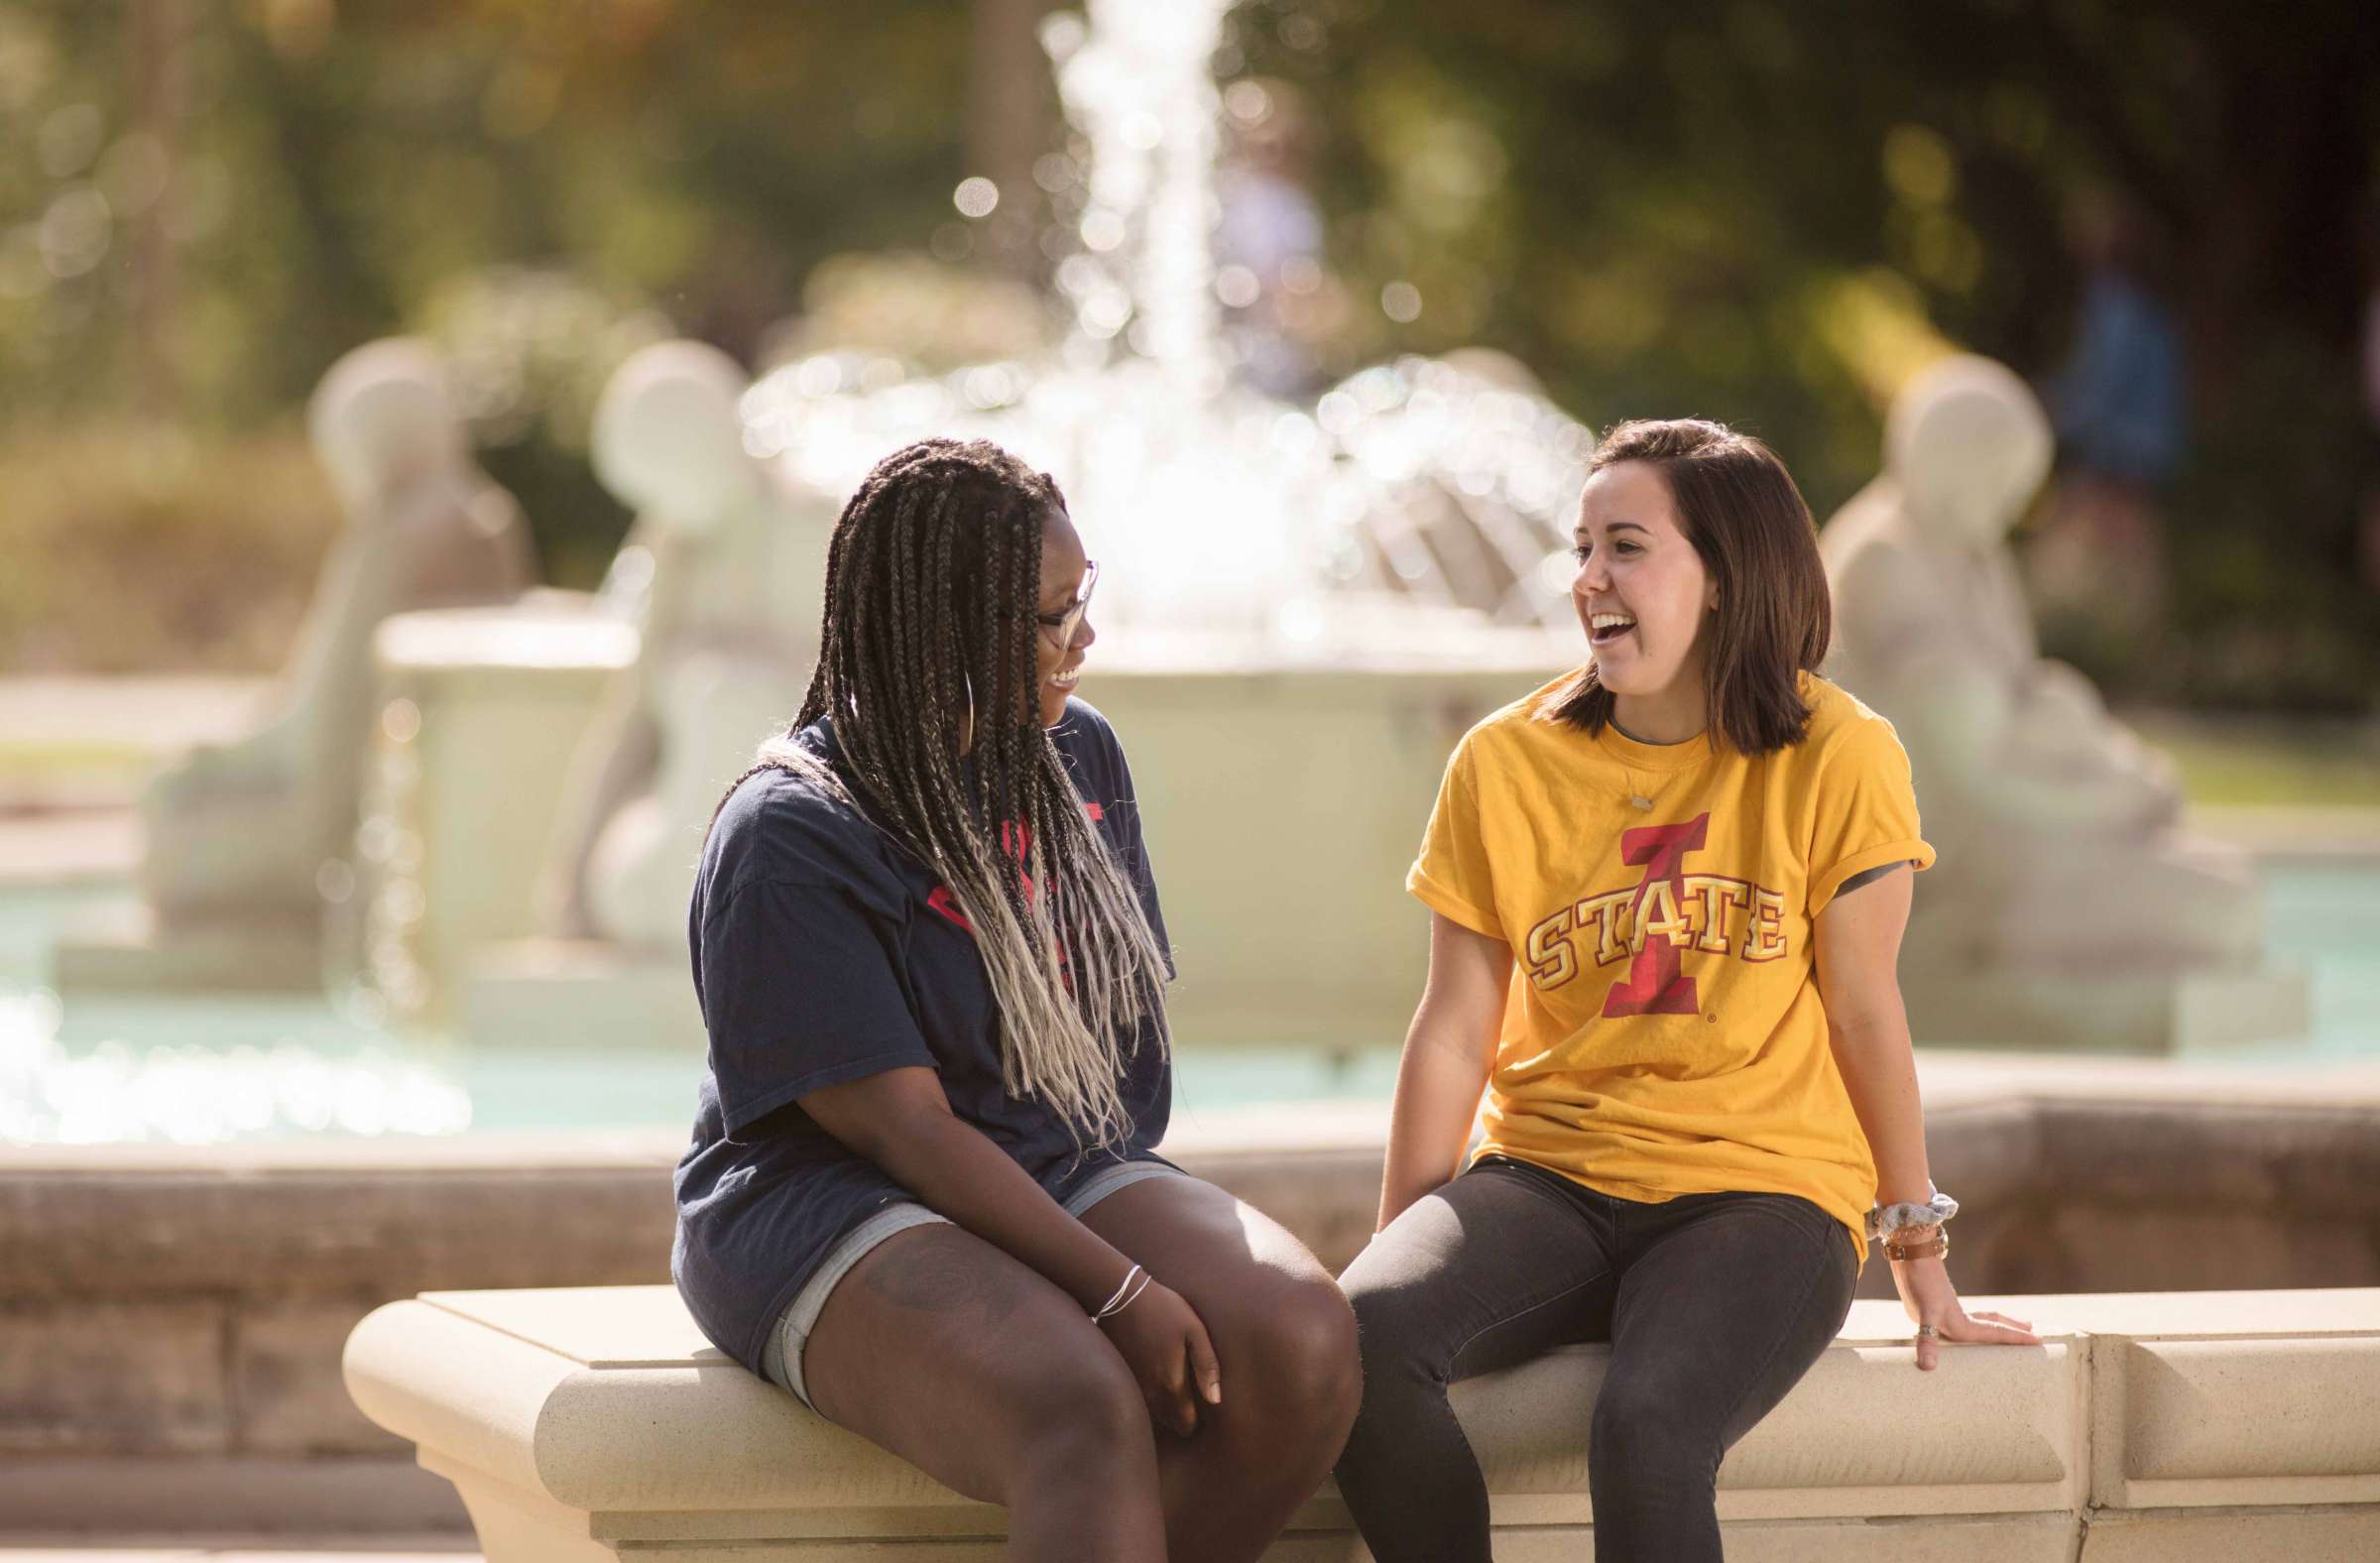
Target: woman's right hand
{"type": "Point", "coordinates": [1165, 1344]}
{"type": "Point", "coordinates": [902, 1121]}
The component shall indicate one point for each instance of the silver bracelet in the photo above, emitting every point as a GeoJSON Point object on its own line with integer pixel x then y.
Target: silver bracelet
{"type": "Point", "coordinates": [1115, 1302]}
{"type": "Point", "coordinates": [1103, 1317]}
{"type": "Point", "coordinates": [1885, 1220]}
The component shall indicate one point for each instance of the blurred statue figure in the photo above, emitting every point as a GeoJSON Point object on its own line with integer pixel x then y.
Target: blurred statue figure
{"type": "Point", "coordinates": [724, 571]}
{"type": "Point", "coordinates": [2056, 826]}
{"type": "Point", "coordinates": [242, 831]}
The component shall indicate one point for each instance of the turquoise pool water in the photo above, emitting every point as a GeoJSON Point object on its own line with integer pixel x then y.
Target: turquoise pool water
{"type": "Point", "coordinates": [203, 1068]}
{"type": "Point", "coordinates": [207, 1068]}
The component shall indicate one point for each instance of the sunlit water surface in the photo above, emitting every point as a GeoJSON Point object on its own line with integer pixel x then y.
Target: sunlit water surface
{"type": "Point", "coordinates": [200, 1070]}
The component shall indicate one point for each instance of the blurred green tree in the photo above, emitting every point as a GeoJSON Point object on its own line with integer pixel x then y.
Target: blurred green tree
{"type": "Point", "coordinates": [1768, 212]}
{"type": "Point", "coordinates": [549, 179]}
{"type": "Point", "coordinates": [1752, 209]}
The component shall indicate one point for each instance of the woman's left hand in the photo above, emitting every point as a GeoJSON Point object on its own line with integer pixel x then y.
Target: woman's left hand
{"type": "Point", "coordinates": [1926, 1291]}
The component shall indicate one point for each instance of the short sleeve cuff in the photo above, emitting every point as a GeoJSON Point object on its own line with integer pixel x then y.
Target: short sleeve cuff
{"type": "Point", "coordinates": [1441, 899]}
{"type": "Point", "coordinates": [740, 1113]}
{"type": "Point", "coordinates": [1911, 851]}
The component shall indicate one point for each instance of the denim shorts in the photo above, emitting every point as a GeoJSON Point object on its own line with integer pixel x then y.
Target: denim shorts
{"type": "Point", "coordinates": [780, 1360]}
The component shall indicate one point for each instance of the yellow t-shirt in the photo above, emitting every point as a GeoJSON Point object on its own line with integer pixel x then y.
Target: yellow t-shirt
{"type": "Point", "coordinates": [1664, 1034]}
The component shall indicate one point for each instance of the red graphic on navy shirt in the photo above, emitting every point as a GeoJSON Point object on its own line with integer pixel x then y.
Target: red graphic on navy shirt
{"type": "Point", "coordinates": [1018, 840]}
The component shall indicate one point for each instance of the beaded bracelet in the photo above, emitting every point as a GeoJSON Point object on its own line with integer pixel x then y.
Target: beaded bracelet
{"type": "Point", "coordinates": [1884, 1221]}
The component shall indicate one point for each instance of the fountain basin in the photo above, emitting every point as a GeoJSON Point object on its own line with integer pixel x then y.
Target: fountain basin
{"type": "Point", "coordinates": [1281, 805]}
{"type": "Point", "coordinates": [176, 1315]}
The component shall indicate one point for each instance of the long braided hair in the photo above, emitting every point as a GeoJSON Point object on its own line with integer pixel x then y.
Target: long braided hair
{"type": "Point", "coordinates": [932, 591]}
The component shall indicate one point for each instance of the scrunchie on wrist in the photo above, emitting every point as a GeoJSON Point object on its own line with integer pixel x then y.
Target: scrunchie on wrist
{"type": "Point", "coordinates": [1885, 1220]}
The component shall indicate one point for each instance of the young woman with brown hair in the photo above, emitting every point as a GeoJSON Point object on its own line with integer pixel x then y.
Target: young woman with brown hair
{"type": "Point", "coordinates": [1667, 904]}
{"type": "Point", "coordinates": [922, 1195]}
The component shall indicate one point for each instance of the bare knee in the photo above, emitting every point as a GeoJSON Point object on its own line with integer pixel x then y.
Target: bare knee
{"type": "Point", "coordinates": [1078, 1422]}
{"type": "Point", "coordinates": [1301, 1378]}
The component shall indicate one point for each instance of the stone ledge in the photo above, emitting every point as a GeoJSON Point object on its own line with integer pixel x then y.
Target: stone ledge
{"type": "Point", "coordinates": [2080, 1175]}
{"type": "Point", "coordinates": [597, 1423]}
{"type": "Point", "coordinates": [139, 1377]}
{"type": "Point", "coordinates": [2052, 1164]}
{"type": "Point", "coordinates": [383, 1496]}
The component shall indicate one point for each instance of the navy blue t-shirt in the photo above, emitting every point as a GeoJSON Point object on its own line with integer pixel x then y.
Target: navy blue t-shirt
{"type": "Point", "coordinates": [825, 952]}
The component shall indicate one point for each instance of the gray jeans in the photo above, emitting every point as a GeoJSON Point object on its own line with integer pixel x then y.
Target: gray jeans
{"type": "Point", "coordinates": [1714, 1305]}
{"type": "Point", "coordinates": [780, 1359]}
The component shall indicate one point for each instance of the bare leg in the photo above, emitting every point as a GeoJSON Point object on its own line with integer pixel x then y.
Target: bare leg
{"type": "Point", "coordinates": [951, 1354]}
{"type": "Point", "coordinates": [1285, 1340]}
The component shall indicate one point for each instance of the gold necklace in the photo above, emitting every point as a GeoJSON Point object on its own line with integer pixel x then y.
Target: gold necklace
{"type": "Point", "coordinates": [1636, 796]}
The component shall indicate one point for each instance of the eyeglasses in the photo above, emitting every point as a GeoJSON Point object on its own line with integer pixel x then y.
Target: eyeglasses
{"type": "Point", "coordinates": [1061, 626]}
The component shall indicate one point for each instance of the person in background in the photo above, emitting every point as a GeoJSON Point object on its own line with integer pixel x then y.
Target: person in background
{"type": "Point", "coordinates": [2367, 535]}
{"type": "Point", "coordinates": [2120, 406]}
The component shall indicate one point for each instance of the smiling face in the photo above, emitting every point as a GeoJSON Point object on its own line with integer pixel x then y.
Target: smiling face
{"type": "Point", "coordinates": [1641, 590]}
{"type": "Point", "coordinates": [1057, 655]}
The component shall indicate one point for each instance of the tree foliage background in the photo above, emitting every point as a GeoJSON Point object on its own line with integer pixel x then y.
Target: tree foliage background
{"type": "Point", "coordinates": [1754, 210]}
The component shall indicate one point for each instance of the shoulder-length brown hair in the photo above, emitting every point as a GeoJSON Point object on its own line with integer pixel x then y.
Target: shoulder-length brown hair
{"type": "Point", "coordinates": [1739, 508]}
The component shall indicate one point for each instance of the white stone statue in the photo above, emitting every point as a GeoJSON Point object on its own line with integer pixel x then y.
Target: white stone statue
{"type": "Point", "coordinates": [2056, 826]}
{"type": "Point", "coordinates": [240, 832]}
{"type": "Point", "coordinates": [724, 571]}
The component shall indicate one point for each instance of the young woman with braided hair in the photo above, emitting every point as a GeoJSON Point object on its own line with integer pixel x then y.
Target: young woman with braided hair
{"type": "Point", "coordinates": [920, 1193]}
